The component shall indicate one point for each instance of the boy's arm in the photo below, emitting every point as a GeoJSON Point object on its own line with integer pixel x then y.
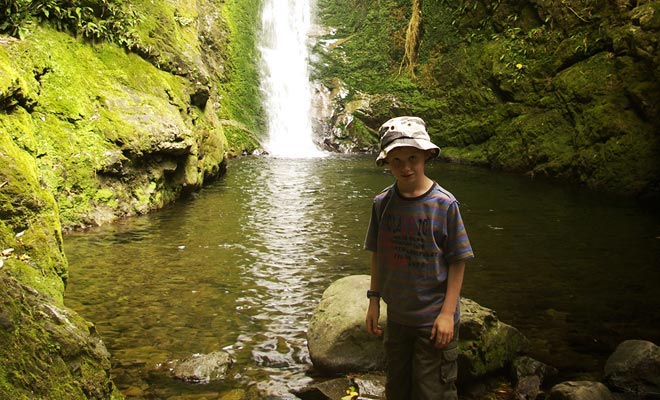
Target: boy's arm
{"type": "Point", "coordinates": [373, 312]}
{"type": "Point", "coordinates": [443, 328]}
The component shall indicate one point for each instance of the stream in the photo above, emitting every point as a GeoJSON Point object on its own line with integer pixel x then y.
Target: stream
{"type": "Point", "coordinates": [241, 265]}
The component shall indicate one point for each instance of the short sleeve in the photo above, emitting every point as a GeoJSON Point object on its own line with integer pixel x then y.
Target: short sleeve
{"type": "Point", "coordinates": [457, 245]}
{"type": "Point", "coordinates": [371, 240]}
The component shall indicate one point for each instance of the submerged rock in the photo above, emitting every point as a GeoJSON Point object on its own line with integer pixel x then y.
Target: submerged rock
{"type": "Point", "coordinates": [203, 368]}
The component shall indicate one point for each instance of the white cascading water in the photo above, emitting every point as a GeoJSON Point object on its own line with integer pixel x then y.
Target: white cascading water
{"type": "Point", "coordinates": [285, 77]}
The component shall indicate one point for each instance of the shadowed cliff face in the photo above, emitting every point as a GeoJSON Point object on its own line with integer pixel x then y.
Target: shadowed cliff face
{"type": "Point", "coordinates": [564, 90]}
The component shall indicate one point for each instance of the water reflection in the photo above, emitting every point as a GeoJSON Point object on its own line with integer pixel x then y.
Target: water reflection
{"type": "Point", "coordinates": [286, 245]}
{"type": "Point", "coordinates": [241, 266]}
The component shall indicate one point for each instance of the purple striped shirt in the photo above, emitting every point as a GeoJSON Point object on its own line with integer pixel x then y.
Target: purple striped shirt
{"type": "Point", "coordinates": [415, 240]}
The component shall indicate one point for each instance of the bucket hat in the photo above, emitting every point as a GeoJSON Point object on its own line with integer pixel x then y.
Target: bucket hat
{"type": "Point", "coordinates": [402, 132]}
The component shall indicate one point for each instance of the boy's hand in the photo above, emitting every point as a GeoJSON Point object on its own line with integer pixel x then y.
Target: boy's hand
{"type": "Point", "coordinates": [373, 313]}
{"type": "Point", "coordinates": [443, 330]}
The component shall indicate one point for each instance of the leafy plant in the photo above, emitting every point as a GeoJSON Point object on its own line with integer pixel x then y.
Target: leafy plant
{"type": "Point", "coordinates": [95, 20]}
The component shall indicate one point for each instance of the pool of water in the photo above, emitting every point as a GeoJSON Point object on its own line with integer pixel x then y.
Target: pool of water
{"type": "Point", "coordinates": [241, 265]}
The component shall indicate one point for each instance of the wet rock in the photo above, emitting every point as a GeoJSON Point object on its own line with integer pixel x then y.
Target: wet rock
{"type": "Point", "coordinates": [528, 375]}
{"type": "Point", "coordinates": [328, 390]}
{"type": "Point", "coordinates": [369, 386]}
{"type": "Point", "coordinates": [486, 344]}
{"type": "Point", "coordinates": [234, 394]}
{"type": "Point", "coordinates": [580, 390]}
{"type": "Point", "coordinates": [350, 124]}
{"type": "Point", "coordinates": [634, 367]}
{"type": "Point", "coordinates": [203, 368]}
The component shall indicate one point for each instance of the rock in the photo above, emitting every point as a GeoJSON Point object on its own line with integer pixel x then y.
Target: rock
{"type": "Point", "coordinates": [327, 390]}
{"type": "Point", "coordinates": [47, 340]}
{"type": "Point", "coordinates": [203, 368]}
{"type": "Point", "coordinates": [634, 367]}
{"type": "Point", "coordinates": [369, 386]}
{"type": "Point", "coordinates": [528, 375]}
{"type": "Point", "coordinates": [350, 123]}
{"type": "Point", "coordinates": [580, 390]}
{"type": "Point", "coordinates": [337, 337]}
{"type": "Point", "coordinates": [485, 343]}
{"type": "Point", "coordinates": [338, 341]}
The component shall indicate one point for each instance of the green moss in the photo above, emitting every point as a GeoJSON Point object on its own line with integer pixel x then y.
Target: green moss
{"type": "Point", "coordinates": [168, 35]}
{"type": "Point", "coordinates": [528, 89]}
{"type": "Point", "coordinates": [469, 154]}
{"type": "Point", "coordinates": [29, 220]}
{"type": "Point", "coordinates": [47, 352]}
{"type": "Point", "coordinates": [241, 98]}
{"type": "Point", "coordinates": [103, 112]}
{"type": "Point", "coordinates": [240, 140]}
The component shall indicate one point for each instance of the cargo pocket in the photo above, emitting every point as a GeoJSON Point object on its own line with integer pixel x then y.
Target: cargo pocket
{"type": "Point", "coordinates": [449, 368]}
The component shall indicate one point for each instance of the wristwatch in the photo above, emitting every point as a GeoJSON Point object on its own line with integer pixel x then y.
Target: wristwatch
{"type": "Point", "coordinates": [372, 293]}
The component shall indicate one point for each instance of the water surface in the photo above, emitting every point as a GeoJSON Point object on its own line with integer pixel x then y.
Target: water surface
{"type": "Point", "coordinates": [242, 264]}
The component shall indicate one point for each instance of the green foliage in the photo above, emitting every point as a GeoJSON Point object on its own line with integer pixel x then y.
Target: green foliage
{"type": "Point", "coordinates": [524, 87]}
{"type": "Point", "coordinates": [375, 52]}
{"type": "Point", "coordinates": [94, 20]}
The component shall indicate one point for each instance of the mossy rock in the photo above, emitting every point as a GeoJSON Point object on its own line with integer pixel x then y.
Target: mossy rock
{"type": "Point", "coordinates": [108, 121]}
{"type": "Point", "coordinates": [47, 351]}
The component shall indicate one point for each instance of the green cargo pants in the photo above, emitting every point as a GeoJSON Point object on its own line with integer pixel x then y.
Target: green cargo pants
{"type": "Point", "coordinates": [416, 370]}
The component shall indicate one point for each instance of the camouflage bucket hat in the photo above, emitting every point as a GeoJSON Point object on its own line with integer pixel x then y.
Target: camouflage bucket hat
{"type": "Point", "coordinates": [401, 132]}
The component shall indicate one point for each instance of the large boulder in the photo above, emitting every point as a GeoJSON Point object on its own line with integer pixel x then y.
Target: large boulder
{"type": "Point", "coordinates": [338, 341]}
{"type": "Point", "coordinates": [634, 367]}
{"type": "Point", "coordinates": [337, 337]}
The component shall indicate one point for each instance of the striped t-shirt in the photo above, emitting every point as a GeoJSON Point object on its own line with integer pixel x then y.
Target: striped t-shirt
{"type": "Point", "coordinates": [415, 240]}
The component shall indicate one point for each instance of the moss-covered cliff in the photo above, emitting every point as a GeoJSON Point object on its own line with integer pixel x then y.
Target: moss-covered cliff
{"type": "Point", "coordinates": [567, 89]}
{"type": "Point", "coordinates": [98, 126]}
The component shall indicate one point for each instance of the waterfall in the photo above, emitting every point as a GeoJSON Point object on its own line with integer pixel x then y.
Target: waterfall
{"type": "Point", "coordinates": [285, 77]}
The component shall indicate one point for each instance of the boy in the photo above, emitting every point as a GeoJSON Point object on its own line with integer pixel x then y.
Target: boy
{"type": "Point", "coordinates": [419, 247]}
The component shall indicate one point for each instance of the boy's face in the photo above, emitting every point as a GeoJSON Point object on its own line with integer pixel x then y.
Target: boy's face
{"type": "Point", "coordinates": [407, 163]}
